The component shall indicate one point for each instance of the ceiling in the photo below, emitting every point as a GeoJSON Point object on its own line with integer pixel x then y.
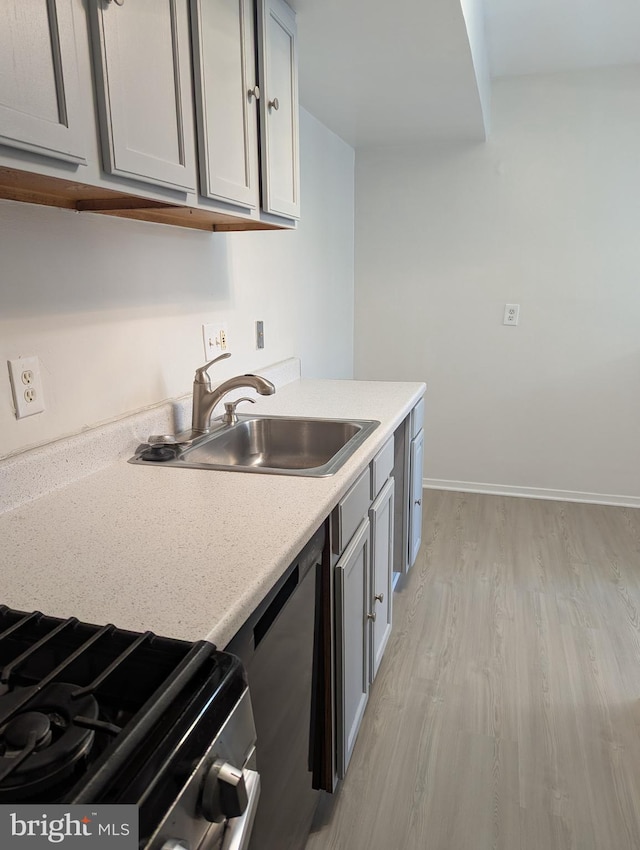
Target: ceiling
{"type": "Point", "coordinates": [418, 70]}
{"type": "Point", "coordinates": [545, 36]}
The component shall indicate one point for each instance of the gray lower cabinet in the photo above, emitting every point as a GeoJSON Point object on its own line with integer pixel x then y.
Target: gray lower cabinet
{"type": "Point", "coordinates": [351, 577]}
{"type": "Point", "coordinates": [415, 501]}
{"type": "Point", "coordinates": [142, 61]}
{"type": "Point", "coordinates": [381, 591]}
{"type": "Point", "coordinates": [407, 471]}
{"type": "Point", "coordinates": [362, 535]}
{"type": "Point", "coordinates": [40, 107]}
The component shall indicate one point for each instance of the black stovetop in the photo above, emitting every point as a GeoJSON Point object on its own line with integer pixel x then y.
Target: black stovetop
{"type": "Point", "coordinates": [94, 713]}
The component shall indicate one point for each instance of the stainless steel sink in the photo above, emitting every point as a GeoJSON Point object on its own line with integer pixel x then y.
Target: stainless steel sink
{"type": "Point", "coordinates": [278, 445]}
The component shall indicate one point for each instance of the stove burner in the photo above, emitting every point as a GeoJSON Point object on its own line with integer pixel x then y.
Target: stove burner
{"type": "Point", "coordinates": [24, 727]}
{"type": "Point", "coordinates": [43, 742]}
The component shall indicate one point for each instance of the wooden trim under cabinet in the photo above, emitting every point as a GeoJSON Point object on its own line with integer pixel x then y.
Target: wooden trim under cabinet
{"type": "Point", "coordinates": [31, 188]}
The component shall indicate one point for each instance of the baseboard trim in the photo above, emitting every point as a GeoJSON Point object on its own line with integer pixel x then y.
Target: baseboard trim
{"type": "Point", "coordinates": [531, 492]}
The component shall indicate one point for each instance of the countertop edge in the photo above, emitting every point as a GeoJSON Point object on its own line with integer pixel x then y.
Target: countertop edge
{"type": "Point", "coordinates": [144, 577]}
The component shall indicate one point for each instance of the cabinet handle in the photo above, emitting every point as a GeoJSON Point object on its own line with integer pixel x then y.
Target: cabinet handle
{"type": "Point", "coordinates": [254, 92]}
{"type": "Point", "coordinates": [372, 616]}
{"type": "Point", "coordinates": [379, 597]}
{"type": "Point", "coordinates": [418, 501]}
{"type": "Point", "coordinates": [274, 104]}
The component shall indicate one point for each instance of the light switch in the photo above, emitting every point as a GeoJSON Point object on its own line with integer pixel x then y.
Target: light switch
{"type": "Point", "coordinates": [216, 339]}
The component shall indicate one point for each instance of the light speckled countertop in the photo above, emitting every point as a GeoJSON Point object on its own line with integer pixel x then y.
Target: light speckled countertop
{"type": "Point", "coordinates": [185, 553]}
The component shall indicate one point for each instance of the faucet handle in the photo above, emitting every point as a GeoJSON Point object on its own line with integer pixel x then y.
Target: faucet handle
{"type": "Point", "coordinates": [201, 376]}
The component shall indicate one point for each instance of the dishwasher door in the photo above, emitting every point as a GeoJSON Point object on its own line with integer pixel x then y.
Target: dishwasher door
{"type": "Point", "coordinates": [279, 648]}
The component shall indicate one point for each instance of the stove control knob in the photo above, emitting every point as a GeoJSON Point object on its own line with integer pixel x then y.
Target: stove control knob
{"type": "Point", "coordinates": [175, 844]}
{"type": "Point", "coordinates": [224, 793]}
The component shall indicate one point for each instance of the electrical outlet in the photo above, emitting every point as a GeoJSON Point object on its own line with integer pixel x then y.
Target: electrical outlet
{"type": "Point", "coordinates": [216, 339]}
{"type": "Point", "coordinates": [26, 385]}
{"type": "Point", "coordinates": [511, 314]}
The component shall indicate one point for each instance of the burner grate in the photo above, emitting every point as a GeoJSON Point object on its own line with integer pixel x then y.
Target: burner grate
{"type": "Point", "coordinates": [94, 688]}
{"type": "Point", "coordinates": [97, 714]}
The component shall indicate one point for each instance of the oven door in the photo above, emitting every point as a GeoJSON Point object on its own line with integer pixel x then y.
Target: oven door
{"type": "Point", "coordinates": [235, 833]}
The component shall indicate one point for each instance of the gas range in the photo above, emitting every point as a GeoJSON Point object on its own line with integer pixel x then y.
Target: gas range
{"type": "Point", "coordinates": [96, 714]}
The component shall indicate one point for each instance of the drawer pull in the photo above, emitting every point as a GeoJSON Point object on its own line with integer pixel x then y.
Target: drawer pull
{"type": "Point", "coordinates": [379, 597]}
{"type": "Point", "coordinates": [372, 616]}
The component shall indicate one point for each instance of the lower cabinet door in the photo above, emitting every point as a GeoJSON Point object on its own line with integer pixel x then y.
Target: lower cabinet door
{"type": "Point", "coordinates": [352, 642]}
{"type": "Point", "coordinates": [415, 496]}
{"type": "Point", "coordinates": [381, 592]}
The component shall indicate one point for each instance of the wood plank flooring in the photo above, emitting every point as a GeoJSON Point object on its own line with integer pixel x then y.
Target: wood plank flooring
{"type": "Point", "coordinates": [506, 713]}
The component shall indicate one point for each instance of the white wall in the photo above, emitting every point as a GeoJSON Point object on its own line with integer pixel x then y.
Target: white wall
{"type": "Point", "coordinates": [547, 215]}
{"type": "Point", "coordinates": [114, 308]}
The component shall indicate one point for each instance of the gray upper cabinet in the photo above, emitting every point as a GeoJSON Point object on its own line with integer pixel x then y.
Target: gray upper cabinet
{"type": "Point", "coordinates": [277, 50]}
{"type": "Point", "coordinates": [39, 95]}
{"type": "Point", "coordinates": [142, 59]}
{"type": "Point", "coordinates": [226, 94]}
{"type": "Point", "coordinates": [160, 67]}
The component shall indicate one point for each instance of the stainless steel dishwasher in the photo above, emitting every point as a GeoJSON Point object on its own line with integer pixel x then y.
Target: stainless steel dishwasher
{"type": "Point", "coordinates": [281, 646]}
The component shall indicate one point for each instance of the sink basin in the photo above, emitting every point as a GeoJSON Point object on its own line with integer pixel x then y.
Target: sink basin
{"type": "Point", "coordinates": [277, 445]}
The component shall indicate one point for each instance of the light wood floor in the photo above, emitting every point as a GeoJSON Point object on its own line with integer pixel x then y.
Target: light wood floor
{"type": "Point", "coordinates": [506, 713]}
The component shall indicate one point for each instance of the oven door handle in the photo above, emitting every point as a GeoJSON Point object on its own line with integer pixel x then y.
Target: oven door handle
{"type": "Point", "coordinates": [238, 830]}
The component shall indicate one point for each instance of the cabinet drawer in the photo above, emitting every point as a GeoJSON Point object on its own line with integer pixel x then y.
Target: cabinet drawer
{"type": "Point", "coordinates": [417, 418]}
{"type": "Point", "coordinates": [350, 511]}
{"type": "Point", "coordinates": [381, 467]}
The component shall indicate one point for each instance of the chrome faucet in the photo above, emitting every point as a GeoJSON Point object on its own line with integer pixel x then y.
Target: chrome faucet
{"type": "Point", "coordinates": [205, 399]}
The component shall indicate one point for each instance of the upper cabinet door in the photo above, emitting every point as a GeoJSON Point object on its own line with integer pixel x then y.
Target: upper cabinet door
{"type": "Point", "coordinates": [39, 95]}
{"type": "Point", "coordinates": [143, 75]}
{"type": "Point", "coordinates": [278, 63]}
{"type": "Point", "coordinates": [226, 100]}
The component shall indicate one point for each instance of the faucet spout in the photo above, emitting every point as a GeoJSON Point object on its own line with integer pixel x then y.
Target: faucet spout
{"type": "Point", "coordinates": [205, 399]}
